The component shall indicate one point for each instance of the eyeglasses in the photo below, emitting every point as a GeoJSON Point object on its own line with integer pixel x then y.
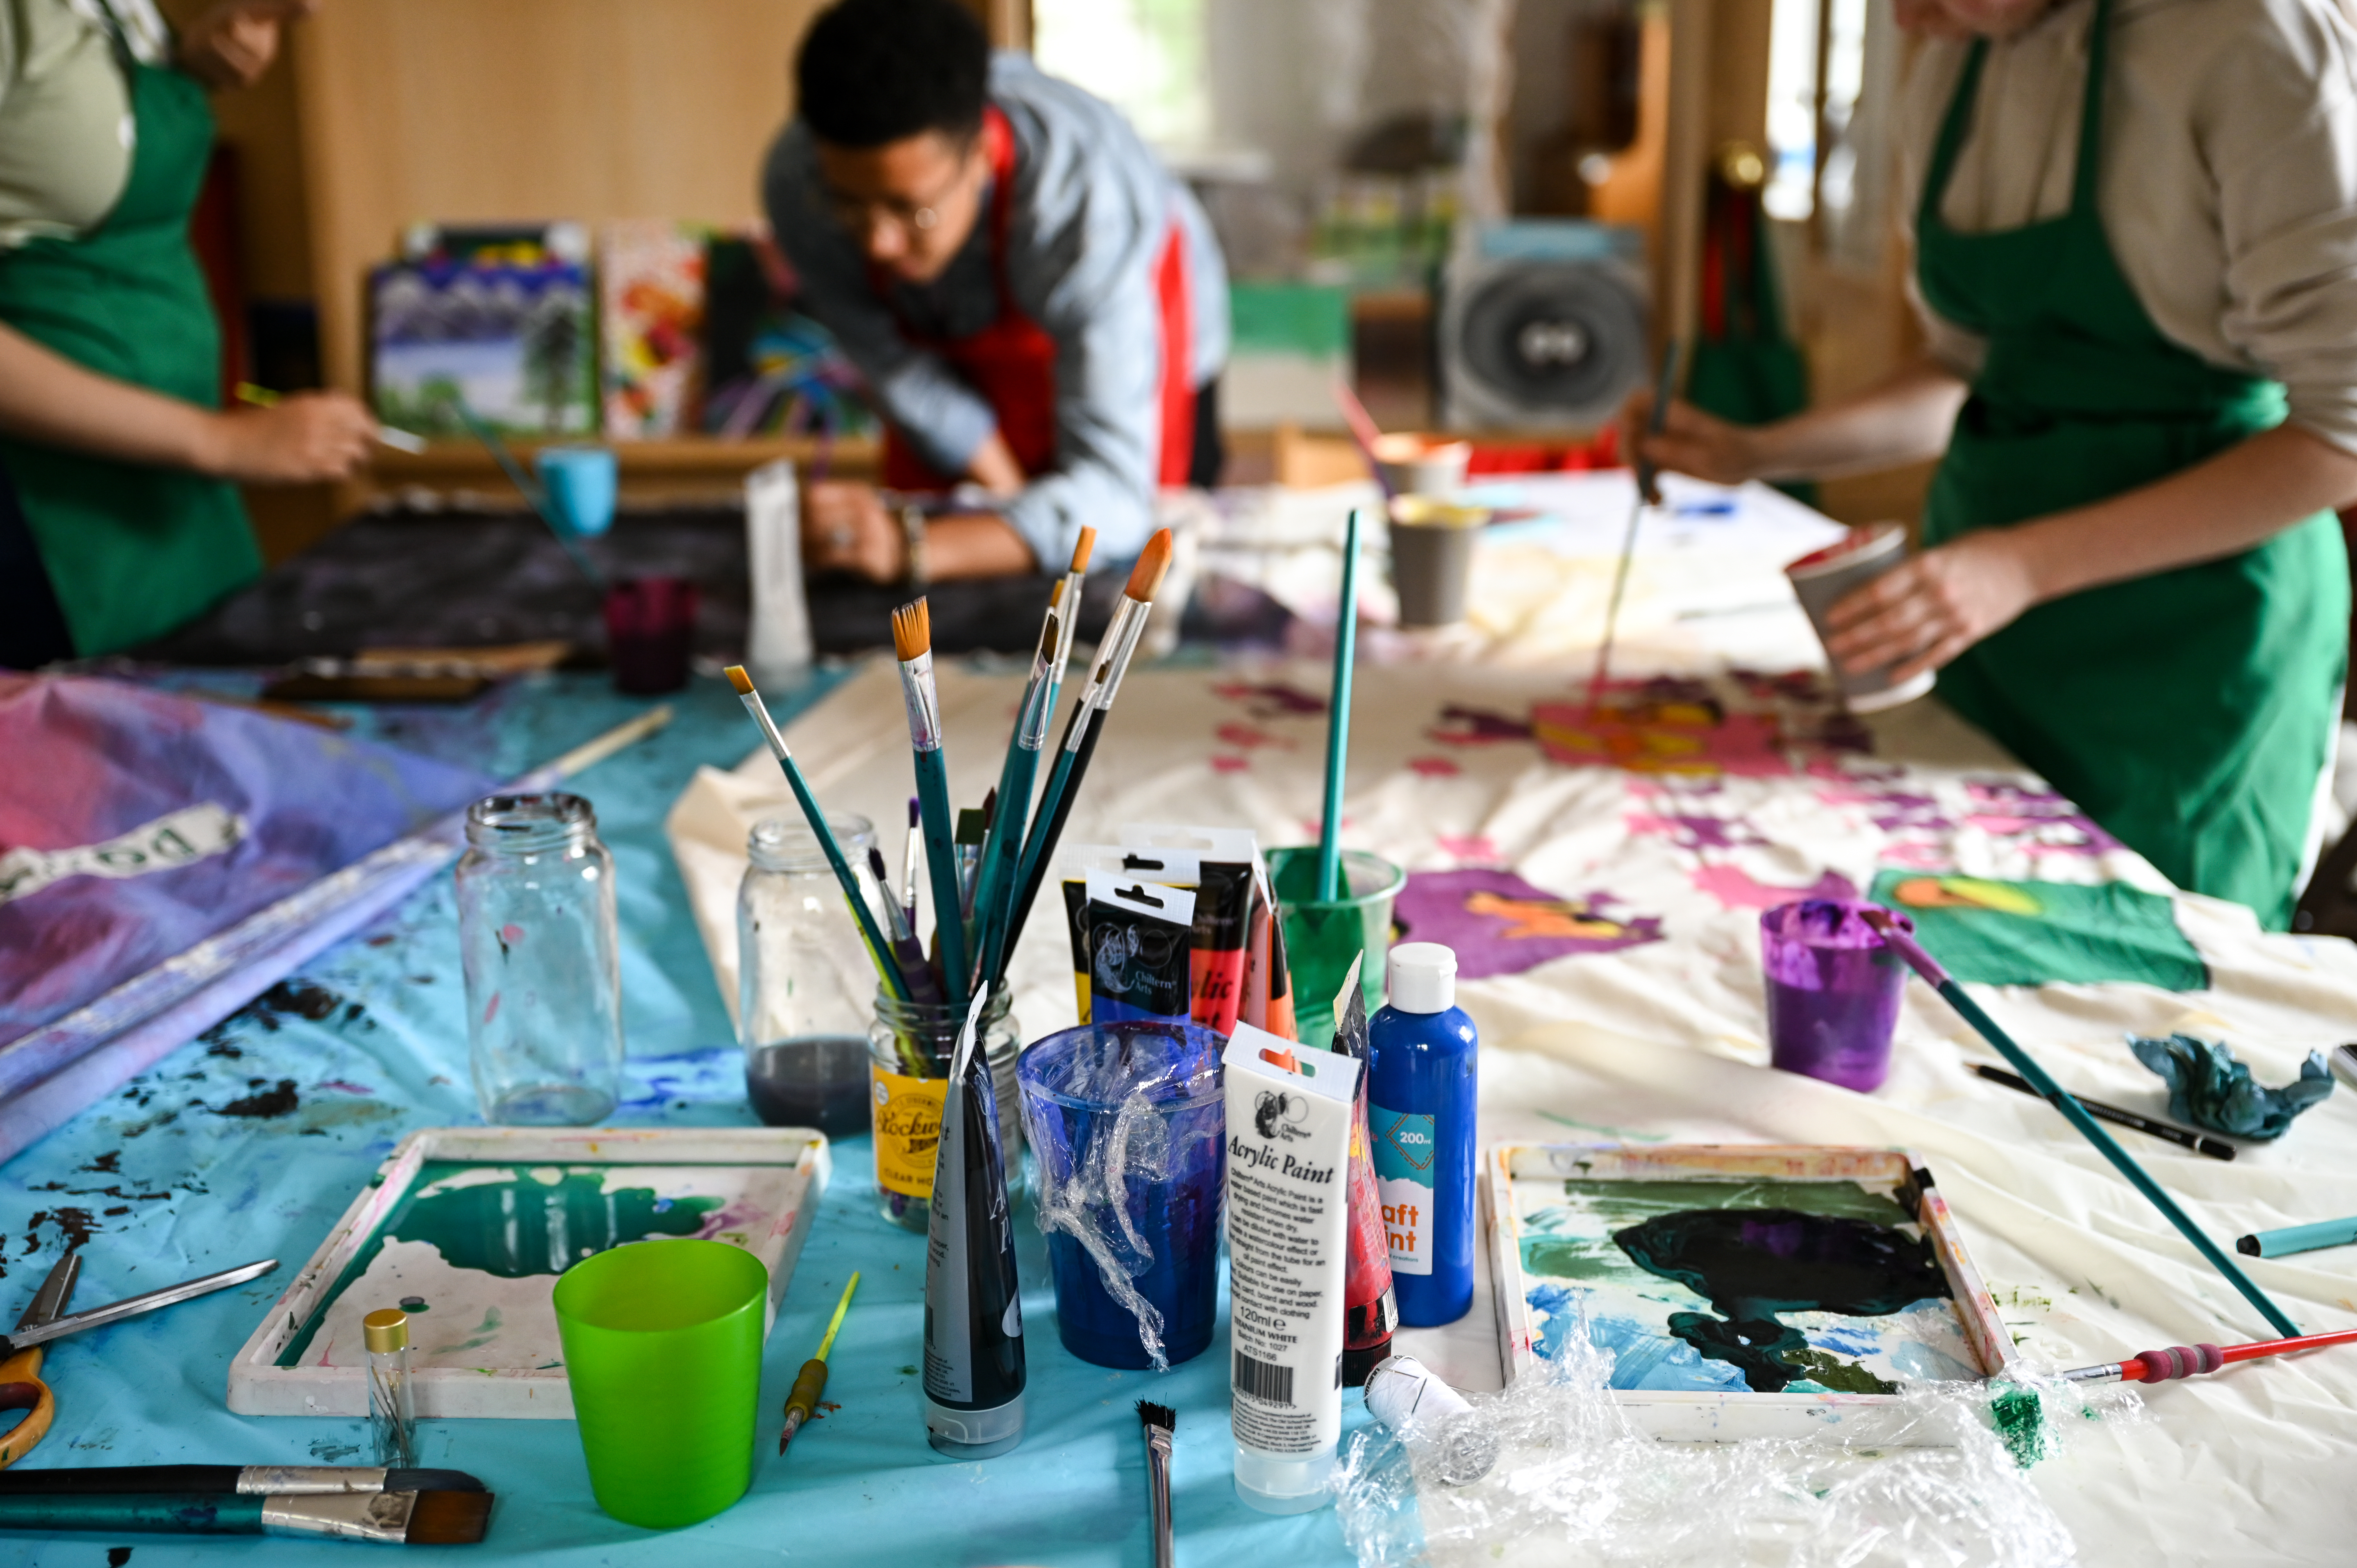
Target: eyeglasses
{"type": "Point", "coordinates": [864, 216]}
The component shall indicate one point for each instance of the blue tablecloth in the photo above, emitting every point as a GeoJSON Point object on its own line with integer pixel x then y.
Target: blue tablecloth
{"type": "Point", "coordinates": [163, 1185]}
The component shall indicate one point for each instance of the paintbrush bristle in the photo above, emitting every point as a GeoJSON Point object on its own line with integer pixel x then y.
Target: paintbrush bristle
{"type": "Point", "coordinates": [1049, 635]}
{"type": "Point", "coordinates": [912, 630]}
{"type": "Point", "coordinates": [1153, 565]}
{"type": "Point", "coordinates": [430, 1481]}
{"type": "Point", "coordinates": [876, 864]}
{"type": "Point", "coordinates": [1082, 550]}
{"type": "Point", "coordinates": [1161, 1415]}
{"type": "Point", "coordinates": [916, 811]}
{"type": "Point", "coordinates": [739, 679]}
{"type": "Point", "coordinates": [449, 1518]}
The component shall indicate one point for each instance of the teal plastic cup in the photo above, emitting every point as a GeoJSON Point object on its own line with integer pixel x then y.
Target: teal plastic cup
{"type": "Point", "coordinates": [580, 483]}
{"type": "Point", "coordinates": [1322, 938]}
{"type": "Point", "coordinates": [662, 1347]}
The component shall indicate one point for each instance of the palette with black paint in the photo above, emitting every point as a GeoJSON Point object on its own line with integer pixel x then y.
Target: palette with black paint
{"type": "Point", "coordinates": [466, 1230]}
{"type": "Point", "coordinates": [1743, 1291]}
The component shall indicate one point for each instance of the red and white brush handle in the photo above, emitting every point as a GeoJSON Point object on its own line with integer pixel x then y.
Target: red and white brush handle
{"type": "Point", "coordinates": [2185, 1361]}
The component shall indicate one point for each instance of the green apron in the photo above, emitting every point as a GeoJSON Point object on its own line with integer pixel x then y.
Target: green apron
{"type": "Point", "coordinates": [2189, 711]}
{"type": "Point", "coordinates": [132, 551]}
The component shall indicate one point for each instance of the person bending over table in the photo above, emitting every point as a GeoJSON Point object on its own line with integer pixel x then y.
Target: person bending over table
{"type": "Point", "coordinates": [2135, 256]}
{"type": "Point", "coordinates": [1039, 306]}
{"type": "Point", "coordinates": [119, 518]}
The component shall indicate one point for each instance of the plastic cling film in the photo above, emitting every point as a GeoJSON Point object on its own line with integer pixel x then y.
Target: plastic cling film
{"type": "Point", "coordinates": [907, 1115]}
{"type": "Point", "coordinates": [1575, 1485]}
{"type": "Point", "coordinates": [1288, 1125]}
{"type": "Point", "coordinates": [1429, 1415]}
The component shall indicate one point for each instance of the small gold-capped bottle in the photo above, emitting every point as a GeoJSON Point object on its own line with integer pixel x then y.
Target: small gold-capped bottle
{"type": "Point", "coordinates": [392, 1415]}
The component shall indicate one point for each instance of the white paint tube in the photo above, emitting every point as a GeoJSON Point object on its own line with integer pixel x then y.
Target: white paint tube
{"type": "Point", "coordinates": [1288, 1160]}
{"type": "Point", "coordinates": [1432, 1419]}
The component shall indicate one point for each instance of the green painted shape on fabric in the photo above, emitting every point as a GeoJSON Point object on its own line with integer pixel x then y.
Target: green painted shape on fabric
{"type": "Point", "coordinates": [2086, 936]}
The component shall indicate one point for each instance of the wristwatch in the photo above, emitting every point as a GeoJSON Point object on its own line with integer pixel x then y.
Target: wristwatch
{"type": "Point", "coordinates": [912, 539]}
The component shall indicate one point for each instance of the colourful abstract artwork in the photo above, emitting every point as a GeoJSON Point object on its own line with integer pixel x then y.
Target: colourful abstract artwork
{"type": "Point", "coordinates": [1500, 924]}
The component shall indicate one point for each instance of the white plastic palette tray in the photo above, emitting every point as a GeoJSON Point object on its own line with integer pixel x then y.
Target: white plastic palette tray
{"type": "Point", "coordinates": [1727, 1228]}
{"type": "Point", "coordinates": [476, 1222]}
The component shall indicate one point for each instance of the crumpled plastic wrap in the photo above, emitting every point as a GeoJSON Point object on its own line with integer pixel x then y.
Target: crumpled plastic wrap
{"type": "Point", "coordinates": [2208, 1087]}
{"type": "Point", "coordinates": [1575, 1485]}
{"type": "Point", "coordinates": [1127, 1120]}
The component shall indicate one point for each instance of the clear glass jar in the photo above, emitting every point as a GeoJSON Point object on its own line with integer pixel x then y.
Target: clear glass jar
{"type": "Point", "coordinates": [536, 936]}
{"type": "Point", "coordinates": [802, 978]}
{"type": "Point", "coordinates": [392, 1407]}
{"type": "Point", "coordinates": [910, 1047]}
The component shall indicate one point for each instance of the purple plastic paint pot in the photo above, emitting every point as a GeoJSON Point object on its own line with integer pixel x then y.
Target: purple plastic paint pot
{"type": "Point", "coordinates": [650, 630]}
{"type": "Point", "coordinates": [1833, 990]}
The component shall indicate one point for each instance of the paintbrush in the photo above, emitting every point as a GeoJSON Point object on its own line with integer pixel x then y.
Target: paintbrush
{"type": "Point", "coordinates": [2190, 1360]}
{"type": "Point", "coordinates": [407, 441]}
{"type": "Point", "coordinates": [1937, 979]}
{"type": "Point", "coordinates": [1081, 733]}
{"type": "Point", "coordinates": [810, 1381]}
{"type": "Point", "coordinates": [913, 640]}
{"type": "Point", "coordinates": [904, 945]}
{"type": "Point", "coordinates": [1338, 717]}
{"type": "Point", "coordinates": [1365, 432]}
{"type": "Point", "coordinates": [908, 849]}
{"type": "Point", "coordinates": [879, 951]}
{"type": "Point", "coordinates": [1649, 493]}
{"type": "Point", "coordinates": [393, 1519]}
{"type": "Point", "coordinates": [1002, 853]}
{"type": "Point", "coordinates": [239, 1480]}
{"type": "Point", "coordinates": [534, 496]}
{"type": "Point", "coordinates": [1157, 1422]}
{"type": "Point", "coordinates": [1065, 603]}
{"type": "Point", "coordinates": [2216, 1148]}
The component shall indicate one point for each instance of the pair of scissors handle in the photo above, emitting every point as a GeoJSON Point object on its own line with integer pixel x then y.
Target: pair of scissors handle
{"type": "Point", "coordinates": [21, 1387]}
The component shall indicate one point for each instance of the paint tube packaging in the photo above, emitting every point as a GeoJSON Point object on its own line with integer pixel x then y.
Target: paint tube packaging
{"type": "Point", "coordinates": [1168, 870]}
{"type": "Point", "coordinates": [975, 1369]}
{"type": "Point", "coordinates": [1226, 861]}
{"type": "Point", "coordinates": [1421, 1083]}
{"type": "Point", "coordinates": [1137, 950]}
{"type": "Point", "coordinates": [1370, 1309]}
{"type": "Point", "coordinates": [1288, 1111]}
{"type": "Point", "coordinates": [1280, 1019]}
{"type": "Point", "coordinates": [1254, 1010]}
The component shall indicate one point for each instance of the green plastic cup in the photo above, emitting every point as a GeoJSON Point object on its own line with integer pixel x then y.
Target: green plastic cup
{"type": "Point", "coordinates": [662, 1347]}
{"type": "Point", "coordinates": [1321, 938]}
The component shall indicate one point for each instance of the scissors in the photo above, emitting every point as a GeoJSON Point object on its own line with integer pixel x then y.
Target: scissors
{"type": "Point", "coordinates": [21, 1387]}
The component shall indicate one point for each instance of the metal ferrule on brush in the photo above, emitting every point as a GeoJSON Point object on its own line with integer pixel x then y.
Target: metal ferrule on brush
{"type": "Point", "coordinates": [1068, 604]}
{"type": "Point", "coordinates": [308, 1480]}
{"type": "Point", "coordinates": [753, 705]}
{"type": "Point", "coordinates": [1121, 642]}
{"type": "Point", "coordinates": [924, 702]}
{"type": "Point", "coordinates": [350, 1516]}
{"type": "Point", "coordinates": [2109, 1372]}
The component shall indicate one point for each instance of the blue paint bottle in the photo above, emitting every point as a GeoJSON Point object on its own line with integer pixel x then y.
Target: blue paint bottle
{"type": "Point", "coordinates": [1422, 1078]}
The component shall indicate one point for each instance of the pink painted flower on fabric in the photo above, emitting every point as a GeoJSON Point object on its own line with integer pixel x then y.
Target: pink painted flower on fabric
{"type": "Point", "coordinates": [1477, 847]}
{"type": "Point", "coordinates": [1432, 767]}
{"type": "Point", "coordinates": [1223, 763]}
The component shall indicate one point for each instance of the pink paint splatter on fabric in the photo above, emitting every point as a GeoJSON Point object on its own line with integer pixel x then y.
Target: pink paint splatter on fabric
{"type": "Point", "coordinates": [1669, 737]}
{"type": "Point", "coordinates": [1695, 832]}
{"type": "Point", "coordinates": [1269, 699]}
{"type": "Point", "coordinates": [1500, 924]}
{"type": "Point", "coordinates": [1223, 763]}
{"type": "Point", "coordinates": [1433, 767]}
{"type": "Point", "coordinates": [1736, 888]}
{"type": "Point", "coordinates": [1246, 737]}
{"type": "Point", "coordinates": [1479, 846]}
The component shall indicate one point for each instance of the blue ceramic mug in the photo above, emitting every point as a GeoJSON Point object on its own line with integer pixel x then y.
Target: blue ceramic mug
{"type": "Point", "coordinates": [579, 482]}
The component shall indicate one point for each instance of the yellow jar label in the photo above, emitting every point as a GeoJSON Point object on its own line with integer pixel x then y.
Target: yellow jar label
{"type": "Point", "coordinates": [907, 1114]}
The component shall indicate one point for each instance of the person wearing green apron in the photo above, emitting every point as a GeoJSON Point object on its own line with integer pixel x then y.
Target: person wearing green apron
{"type": "Point", "coordinates": [2131, 574]}
{"type": "Point", "coordinates": [119, 515]}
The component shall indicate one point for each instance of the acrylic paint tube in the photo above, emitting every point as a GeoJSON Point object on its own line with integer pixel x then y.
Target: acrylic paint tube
{"type": "Point", "coordinates": [974, 1308]}
{"type": "Point", "coordinates": [1288, 1158]}
{"type": "Point", "coordinates": [1138, 950]}
{"type": "Point", "coordinates": [1226, 860]}
{"type": "Point", "coordinates": [1254, 1010]}
{"type": "Point", "coordinates": [1281, 1022]}
{"type": "Point", "coordinates": [1170, 869]}
{"type": "Point", "coordinates": [1433, 1420]}
{"type": "Point", "coordinates": [1369, 1310]}
{"type": "Point", "coordinates": [1422, 1087]}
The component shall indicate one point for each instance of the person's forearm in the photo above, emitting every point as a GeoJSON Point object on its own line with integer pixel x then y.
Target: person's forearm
{"type": "Point", "coordinates": [975, 544]}
{"type": "Point", "coordinates": [2239, 498]}
{"type": "Point", "coordinates": [46, 398]}
{"type": "Point", "coordinates": [1904, 418]}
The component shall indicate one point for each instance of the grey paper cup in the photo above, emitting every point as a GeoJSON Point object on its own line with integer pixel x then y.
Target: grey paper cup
{"type": "Point", "coordinates": [1432, 559]}
{"type": "Point", "coordinates": [1821, 580]}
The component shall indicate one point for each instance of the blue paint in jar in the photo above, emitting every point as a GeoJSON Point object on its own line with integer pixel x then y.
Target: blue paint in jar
{"type": "Point", "coordinates": [1423, 1081]}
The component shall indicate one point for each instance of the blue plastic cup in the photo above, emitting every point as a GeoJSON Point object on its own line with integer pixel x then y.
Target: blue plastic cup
{"type": "Point", "coordinates": [580, 482]}
{"type": "Point", "coordinates": [1129, 1125]}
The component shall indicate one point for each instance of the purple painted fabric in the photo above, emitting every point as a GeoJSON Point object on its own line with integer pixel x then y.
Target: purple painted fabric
{"type": "Point", "coordinates": [1500, 924]}
{"type": "Point", "coordinates": [134, 823]}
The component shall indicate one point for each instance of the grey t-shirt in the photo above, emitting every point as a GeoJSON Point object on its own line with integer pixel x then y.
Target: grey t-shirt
{"type": "Point", "coordinates": [1091, 209]}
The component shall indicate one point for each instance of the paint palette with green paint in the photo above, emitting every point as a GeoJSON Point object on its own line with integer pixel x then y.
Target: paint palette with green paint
{"type": "Point", "coordinates": [468, 1229]}
{"type": "Point", "coordinates": [1742, 1291]}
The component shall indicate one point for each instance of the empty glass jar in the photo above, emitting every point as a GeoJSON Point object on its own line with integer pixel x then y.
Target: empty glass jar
{"type": "Point", "coordinates": [536, 935]}
{"type": "Point", "coordinates": [802, 978]}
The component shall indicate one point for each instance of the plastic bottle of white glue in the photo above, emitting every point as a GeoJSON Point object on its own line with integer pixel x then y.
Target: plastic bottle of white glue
{"type": "Point", "coordinates": [1420, 1108]}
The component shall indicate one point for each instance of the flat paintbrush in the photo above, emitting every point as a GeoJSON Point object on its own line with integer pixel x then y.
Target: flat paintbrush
{"type": "Point", "coordinates": [1648, 494]}
{"type": "Point", "coordinates": [910, 849]}
{"type": "Point", "coordinates": [904, 945]}
{"type": "Point", "coordinates": [913, 640]}
{"type": "Point", "coordinates": [243, 1481]}
{"type": "Point", "coordinates": [2188, 1360]}
{"type": "Point", "coordinates": [1066, 602]}
{"type": "Point", "coordinates": [1002, 852]}
{"type": "Point", "coordinates": [1157, 1422]}
{"type": "Point", "coordinates": [1081, 733]}
{"type": "Point", "coordinates": [393, 1518]}
{"type": "Point", "coordinates": [879, 951]}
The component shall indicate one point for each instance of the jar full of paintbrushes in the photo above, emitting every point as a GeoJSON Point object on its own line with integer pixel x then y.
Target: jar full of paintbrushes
{"type": "Point", "coordinates": [908, 1050]}
{"type": "Point", "coordinates": [802, 979]}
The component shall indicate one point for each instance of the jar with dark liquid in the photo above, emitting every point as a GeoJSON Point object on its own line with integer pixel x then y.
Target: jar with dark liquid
{"type": "Point", "coordinates": [803, 978]}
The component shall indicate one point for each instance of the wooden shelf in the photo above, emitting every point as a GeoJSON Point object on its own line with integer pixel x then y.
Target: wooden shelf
{"type": "Point", "coordinates": [686, 468]}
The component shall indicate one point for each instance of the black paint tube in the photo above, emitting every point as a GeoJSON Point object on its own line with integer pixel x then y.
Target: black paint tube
{"type": "Point", "coordinates": [1223, 861]}
{"type": "Point", "coordinates": [1370, 1306]}
{"type": "Point", "coordinates": [1169, 869]}
{"type": "Point", "coordinates": [1140, 951]}
{"type": "Point", "coordinates": [975, 1369]}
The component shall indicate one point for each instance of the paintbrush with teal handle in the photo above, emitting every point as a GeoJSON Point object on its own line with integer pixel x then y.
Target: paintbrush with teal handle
{"type": "Point", "coordinates": [879, 951]}
{"type": "Point", "coordinates": [1338, 719]}
{"type": "Point", "coordinates": [913, 639]}
{"type": "Point", "coordinates": [1002, 852]}
{"type": "Point", "coordinates": [1937, 979]}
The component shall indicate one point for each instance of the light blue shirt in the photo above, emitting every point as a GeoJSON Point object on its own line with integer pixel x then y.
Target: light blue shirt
{"type": "Point", "coordinates": [1091, 209]}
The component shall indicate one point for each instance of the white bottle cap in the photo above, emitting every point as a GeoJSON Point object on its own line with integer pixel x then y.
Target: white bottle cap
{"type": "Point", "coordinates": [1283, 1483]}
{"type": "Point", "coordinates": [1423, 978]}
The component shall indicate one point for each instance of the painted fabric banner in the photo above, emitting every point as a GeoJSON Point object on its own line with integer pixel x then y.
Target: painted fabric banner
{"type": "Point", "coordinates": [2027, 933]}
{"type": "Point", "coordinates": [135, 823]}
